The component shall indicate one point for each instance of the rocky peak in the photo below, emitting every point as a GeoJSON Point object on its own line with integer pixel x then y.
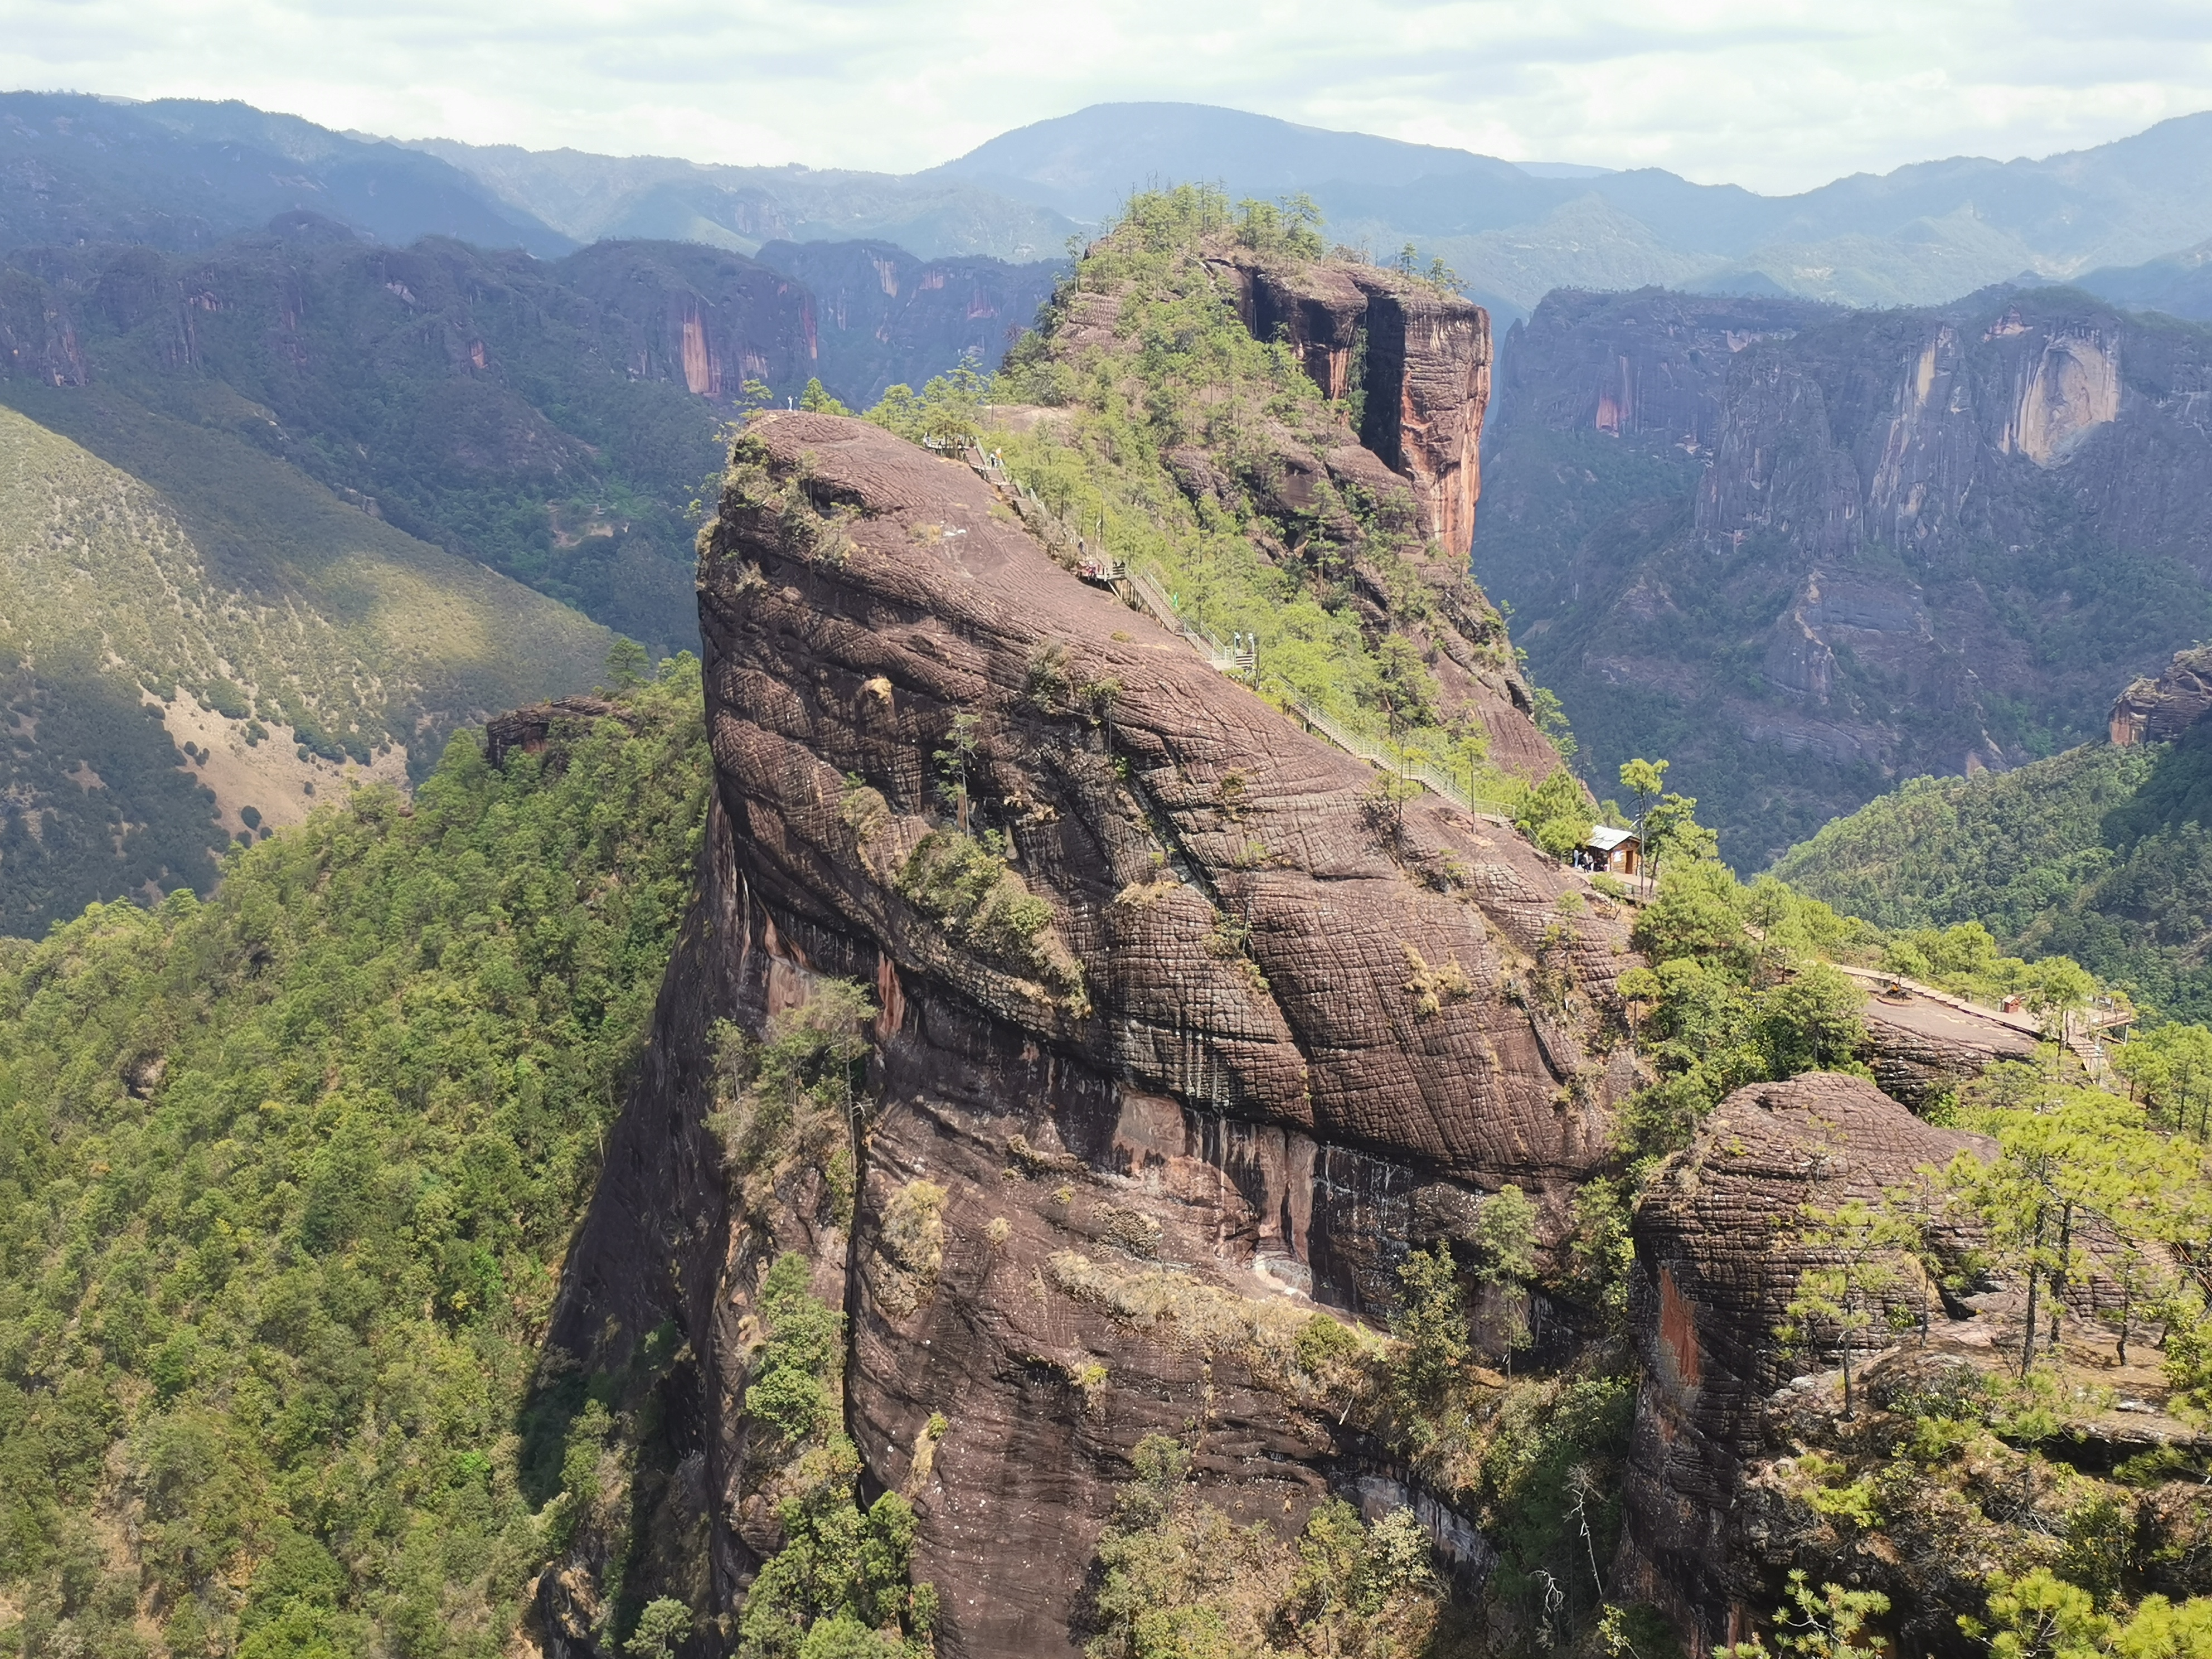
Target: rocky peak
{"type": "Point", "coordinates": [1362, 498]}
{"type": "Point", "coordinates": [1186, 1031]}
{"type": "Point", "coordinates": [1416, 357]}
{"type": "Point", "coordinates": [2158, 710]}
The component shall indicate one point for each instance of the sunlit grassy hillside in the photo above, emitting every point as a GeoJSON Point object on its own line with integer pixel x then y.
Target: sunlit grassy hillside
{"type": "Point", "coordinates": [221, 600]}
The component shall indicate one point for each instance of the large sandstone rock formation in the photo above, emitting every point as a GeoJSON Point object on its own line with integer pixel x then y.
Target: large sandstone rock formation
{"type": "Point", "coordinates": [1266, 1036]}
{"type": "Point", "coordinates": [1418, 357]}
{"type": "Point", "coordinates": [1717, 1257]}
{"type": "Point", "coordinates": [2160, 709]}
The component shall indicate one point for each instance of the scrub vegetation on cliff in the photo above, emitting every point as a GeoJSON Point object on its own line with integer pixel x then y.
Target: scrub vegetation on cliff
{"type": "Point", "coordinates": [1160, 431]}
{"type": "Point", "coordinates": [285, 1178]}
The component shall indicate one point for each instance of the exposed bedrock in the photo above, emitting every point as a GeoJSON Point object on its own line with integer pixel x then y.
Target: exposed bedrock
{"type": "Point", "coordinates": [1718, 1258]}
{"type": "Point", "coordinates": [1261, 1037]}
{"type": "Point", "coordinates": [2159, 710]}
{"type": "Point", "coordinates": [1420, 358]}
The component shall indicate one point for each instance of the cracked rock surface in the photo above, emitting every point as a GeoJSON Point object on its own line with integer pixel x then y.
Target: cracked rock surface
{"type": "Point", "coordinates": [1227, 1037]}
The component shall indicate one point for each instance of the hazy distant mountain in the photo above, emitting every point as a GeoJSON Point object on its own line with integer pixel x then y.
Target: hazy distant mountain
{"type": "Point", "coordinates": [2180, 284]}
{"type": "Point", "coordinates": [179, 173]}
{"type": "Point", "coordinates": [589, 196]}
{"type": "Point", "coordinates": [1084, 164]}
{"type": "Point", "coordinates": [1923, 234]}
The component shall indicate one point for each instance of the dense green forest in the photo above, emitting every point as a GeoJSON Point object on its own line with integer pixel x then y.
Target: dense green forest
{"type": "Point", "coordinates": [285, 1176]}
{"type": "Point", "coordinates": [2098, 854]}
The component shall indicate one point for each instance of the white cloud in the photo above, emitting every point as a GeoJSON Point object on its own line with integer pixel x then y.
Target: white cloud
{"type": "Point", "coordinates": [1775, 94]}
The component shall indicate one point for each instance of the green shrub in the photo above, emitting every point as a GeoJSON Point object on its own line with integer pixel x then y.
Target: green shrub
{"type": "Point", "coordinates": [390, 1046]}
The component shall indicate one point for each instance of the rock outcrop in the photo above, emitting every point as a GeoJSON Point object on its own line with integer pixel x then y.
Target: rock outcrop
{"type": "Point", "coordinates": [1718, 1258]}
{"type": "Point", "coordinates": [2159, 710]}
{"type": "Point", "coordinates": [1416, 357]}
{"type": "Point", "coordinates": [1186, 1031]}
{"type": "Point", "coordinates": [1921, 1042]}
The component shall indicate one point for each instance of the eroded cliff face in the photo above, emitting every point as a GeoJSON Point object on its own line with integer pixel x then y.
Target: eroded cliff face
{"type": "Point", "coordinates": [2160, 709]}
{"type": "Point", "coordinates": [1264, 1033]}
{"type": "Point", "coordinates": [1718, 1258]}
{"type": "Point", "coordinates": [1937, 1471]}
{"type": "Point", "coordinates": [1814, 553]}
{"type": "Point", "coordinates": [1417, 358]}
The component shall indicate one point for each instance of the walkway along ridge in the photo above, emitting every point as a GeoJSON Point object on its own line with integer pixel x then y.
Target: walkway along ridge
{"type": "Point", "coordinates": [1141, 590]}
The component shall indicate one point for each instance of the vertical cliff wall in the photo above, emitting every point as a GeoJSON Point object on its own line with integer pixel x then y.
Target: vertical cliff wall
{"type": "Point", "coordinates": [1417, 357]}
{"type": "Point", "coordinates": [1808, 554]}
{"type": "Point", "coordinates": [1263, 1035]}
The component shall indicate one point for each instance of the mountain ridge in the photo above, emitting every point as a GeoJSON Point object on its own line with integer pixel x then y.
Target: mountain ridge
{"type": "Point", "coordinates": [1808, 551]}
{"type": "Point", "coordinates": [1926, 233]}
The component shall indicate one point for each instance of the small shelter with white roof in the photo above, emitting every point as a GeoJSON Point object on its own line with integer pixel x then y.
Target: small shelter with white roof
{"type": "Point", "coordinates": [1618, 852]}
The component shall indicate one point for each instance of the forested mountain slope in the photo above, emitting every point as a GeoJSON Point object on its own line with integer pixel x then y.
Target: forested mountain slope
{"type": "Point", "coordinates": [285, 1179]}
{"type": "Point", "coordinates": [2098, 854]}
{"type": "Point", "coordinates": [552, 420]}
{"type": "Point", "coordinates": [191, 652]}
{"type": "Point", "coordinates": [1808, 553]}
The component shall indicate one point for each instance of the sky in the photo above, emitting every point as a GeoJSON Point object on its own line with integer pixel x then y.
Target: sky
{"type": "Point", "coordinates": [1778, 95]}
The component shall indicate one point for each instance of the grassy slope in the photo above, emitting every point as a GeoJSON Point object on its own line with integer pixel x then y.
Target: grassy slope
{"type": "Point", "coordinates": [224, 582]}
{"type": "Point", "coordinates": [284, 1180]}
{"type": "Point", "coordinates": [1182, 373]}
{"type": "Point", "coordinates": [2098, 854]}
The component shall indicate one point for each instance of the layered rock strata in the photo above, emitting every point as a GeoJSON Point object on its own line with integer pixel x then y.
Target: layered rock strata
{"type": "Point", "coordinates": [1416, 357]}
{"type": "Point", "coordinates": [1919, 1046]}
{"type": "Point", "coordinates": [1261, 1030]}
{"type": "Point", "coordinates": [1718, 1256]}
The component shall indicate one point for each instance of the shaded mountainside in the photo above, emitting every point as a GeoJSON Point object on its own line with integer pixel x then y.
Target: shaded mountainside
{"type": "Point", "coordinates": [192, 653]}
{"type": "Point", "coordinates": [883, 317]}
{"type": "Point", "coordinates": [2178, 284]}
{"type": "Point", "coordinates": [1815, 552]}
{"type": "Point", "coordinates": [549, 420]}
